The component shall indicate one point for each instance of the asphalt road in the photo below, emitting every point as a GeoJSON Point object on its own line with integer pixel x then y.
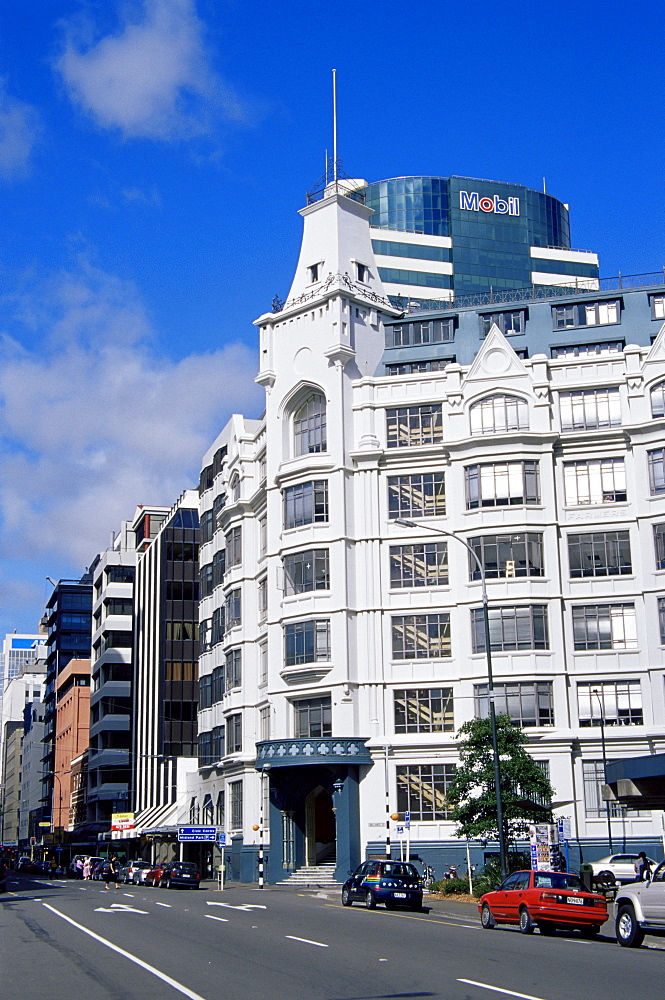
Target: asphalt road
{"type": "Point", "coordinates": [70, 940]}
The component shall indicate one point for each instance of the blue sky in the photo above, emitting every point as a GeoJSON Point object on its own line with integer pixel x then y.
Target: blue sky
{"type": "Point", "coordinates": [153, 155]}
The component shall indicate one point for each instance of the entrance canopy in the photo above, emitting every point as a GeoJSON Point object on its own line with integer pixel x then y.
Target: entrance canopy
{"type": "Point", "coordinates": [637, 781]}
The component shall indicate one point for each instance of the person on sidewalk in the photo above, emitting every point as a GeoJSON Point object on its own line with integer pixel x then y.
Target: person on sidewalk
{"type": "Point", "coordinates": [111, 875]}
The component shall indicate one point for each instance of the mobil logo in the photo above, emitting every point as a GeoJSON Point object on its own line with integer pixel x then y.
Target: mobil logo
{"type": "Point", "coordinates": [473, 202]}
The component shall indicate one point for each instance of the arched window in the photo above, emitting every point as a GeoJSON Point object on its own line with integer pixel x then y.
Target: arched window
{"type": "Point", "coordinates": [309, 426]}
{"type": "Point", "coordinates": [495, 414]}
{"type": "Point", "coordinates": [194, 812]}
{"type": "Point", "coordinates": [658, 400]}
{"type": "Point", "coordinates": [234, 486]}
{"type": "Point", "coordinates": [207, 811]}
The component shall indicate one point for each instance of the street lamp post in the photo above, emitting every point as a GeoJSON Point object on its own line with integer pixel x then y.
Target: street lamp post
{"type": "Point", "coordinates": [602, 744]}
{"type": "Point", "coordinates": [490, 681]}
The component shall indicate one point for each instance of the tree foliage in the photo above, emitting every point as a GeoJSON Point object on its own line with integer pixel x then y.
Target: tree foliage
{"type": "Point", "coordinates": [524, 785]}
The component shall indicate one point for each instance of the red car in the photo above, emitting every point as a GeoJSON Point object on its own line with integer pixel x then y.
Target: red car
{"type": "Point", "coordinates": [546, 900]}
{"type": "Point", "coordinates": [153, 877]}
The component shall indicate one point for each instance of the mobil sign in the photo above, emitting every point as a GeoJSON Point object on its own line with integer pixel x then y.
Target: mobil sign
{"type": "Point", "coordinates": [471, 201]}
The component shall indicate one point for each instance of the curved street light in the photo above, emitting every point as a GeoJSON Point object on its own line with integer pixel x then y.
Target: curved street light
{"type": "Point", "coordinates": [404, 523]}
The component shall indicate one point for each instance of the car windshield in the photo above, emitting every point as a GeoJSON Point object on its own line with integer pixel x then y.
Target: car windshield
{"type": "Point", "coordinates": [182, 866]}
{"type": "Point", "coordinates": [140, 864]}
{"type": "Point", "coordinates": [398, 870]}
{"type": "Point", "coordinates": [557, 880]}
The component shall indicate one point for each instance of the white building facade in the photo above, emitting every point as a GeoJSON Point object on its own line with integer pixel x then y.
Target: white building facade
{"type": "Point", "coordinates": [341, 651]}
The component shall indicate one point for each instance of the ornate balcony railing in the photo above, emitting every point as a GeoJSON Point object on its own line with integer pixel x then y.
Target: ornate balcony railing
{"type": "Point", "coordinates": [323, 749]}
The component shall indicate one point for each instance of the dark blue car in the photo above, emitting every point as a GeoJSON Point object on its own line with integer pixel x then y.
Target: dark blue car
{"type": "Point", "coordinates": [393, 883]}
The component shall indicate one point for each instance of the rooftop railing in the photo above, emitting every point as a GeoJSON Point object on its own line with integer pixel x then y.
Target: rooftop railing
{"type": "Point", "coordinates": [500, 296]}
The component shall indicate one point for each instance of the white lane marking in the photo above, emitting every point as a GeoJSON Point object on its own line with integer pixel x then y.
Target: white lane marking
{"type": "Point", "coordinates": [211, 916]}
{"type": "Point", "coordinates": [497, 989]}
{"type": "Point", "coordinates": [132, 958]}
{"type": "Point", "coordinates": [122, 907]}
{"type": "Point", "coordinates": [167, 905]}
{"type": "Point", "coordinates": [244, 906]}
{"type": "Point", "coordinates": [129, 894]}
{"type": "Point", "coordinates": [306, 941]}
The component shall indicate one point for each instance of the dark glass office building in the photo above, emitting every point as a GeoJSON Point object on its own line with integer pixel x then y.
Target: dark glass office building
{"type": "Point", "coordinates": [486, 236]}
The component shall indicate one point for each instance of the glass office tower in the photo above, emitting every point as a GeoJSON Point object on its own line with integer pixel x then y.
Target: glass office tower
{"type": "Point", "coordinates": [487, 236]}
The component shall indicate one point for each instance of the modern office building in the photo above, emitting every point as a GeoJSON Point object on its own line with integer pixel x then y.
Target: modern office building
{"type": "Point", "coordinates": [22, 692]}
{"type": "Point", "coordinates": [341, 616]}
{"type": "Point", "coordinates": [109, 760]}
{"type": "Point", "coordinates": [17, 650]}
{"type": "Point", "coordinates": [32, 774]}
{"type": "Point", "coordinates": [166, 648]}
{"type": "Point", "coordinates": [68, 619]}
{"type": "Point", "coordinates": [446, 238]}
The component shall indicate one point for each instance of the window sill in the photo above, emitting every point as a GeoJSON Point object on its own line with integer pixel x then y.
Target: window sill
{"type": "Point", "coordinates": [305, 673]}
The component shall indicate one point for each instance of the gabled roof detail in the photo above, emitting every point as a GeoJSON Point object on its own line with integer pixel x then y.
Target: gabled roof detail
{"type": "Point", "coordinates": [495, 359]}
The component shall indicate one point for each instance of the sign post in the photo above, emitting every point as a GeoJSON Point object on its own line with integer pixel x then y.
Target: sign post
{"type": "Point", "coordinates": [407, 825]}
{"type": "Point", "coordinates": [221, 843]}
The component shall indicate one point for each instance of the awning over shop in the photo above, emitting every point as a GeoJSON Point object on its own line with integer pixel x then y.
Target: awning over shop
{"type": "Point", "coordinates": [637, 781]}
{"type": "Point", "coordinates": [161, 819]}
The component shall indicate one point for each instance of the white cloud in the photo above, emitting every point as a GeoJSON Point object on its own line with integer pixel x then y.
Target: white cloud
{"type": "Point", "coordinates": [153, 78]}
{"type": "Point", "coordinates": [94, 421]}
{"type": "Point", "coordinates": [20, 126]}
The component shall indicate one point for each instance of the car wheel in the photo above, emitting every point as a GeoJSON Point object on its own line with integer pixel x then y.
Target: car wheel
{"type": "Point", "coordinates": [486, 918]}
{"type": "Point", "coordinates": [370, 902]}
{"type": "Point", "coordinates": [346, 897]}
{"type": "Point", "coordinates": [547, 929]}
{"type": "Point", "coordinates": [589, 932]}
{"type": "Point", "coordinates": [526, 923]}
{"type": "Point", "coordinates": [628, 931]}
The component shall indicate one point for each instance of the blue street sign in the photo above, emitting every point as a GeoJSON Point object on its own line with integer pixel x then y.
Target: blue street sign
{"type": "Point", "coordinates": [197, 834]}
{"type": "Point", "coordinates": [407, 820]}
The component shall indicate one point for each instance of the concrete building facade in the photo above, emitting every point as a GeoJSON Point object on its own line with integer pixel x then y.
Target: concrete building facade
{"type": "Point", "coordinates": [341, 633]}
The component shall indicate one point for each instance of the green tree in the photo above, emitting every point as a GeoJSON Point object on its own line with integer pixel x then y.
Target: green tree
{"type": "Point", "coordinates": [524, 786]}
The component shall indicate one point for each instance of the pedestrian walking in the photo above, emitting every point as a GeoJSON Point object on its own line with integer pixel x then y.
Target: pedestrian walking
{"type": "Point", "coordinates": [86, 869]}
{"type": "Point", "coordinates": [79, 867]}
{"type": "Point", "coordinates": [111, 874]}
{"type": "Point", "coordinates": [643, 868]}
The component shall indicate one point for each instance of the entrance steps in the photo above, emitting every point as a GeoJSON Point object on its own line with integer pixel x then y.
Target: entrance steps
{"type": "Point", "coordinates": [313, 877]}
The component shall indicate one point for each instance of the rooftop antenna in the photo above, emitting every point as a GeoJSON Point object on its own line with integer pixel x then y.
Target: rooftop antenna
{"type": "Point", "coordinates": [334, 83]}
{"type": "Point", "coordinates": [544, 186]}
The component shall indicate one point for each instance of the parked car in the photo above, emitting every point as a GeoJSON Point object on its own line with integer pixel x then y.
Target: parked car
{"type": "Point", "coordinates": [100, 869]}
{"type": "Point", "coordinates": [126, 871]}
{"type": "Point", "coordinates": [141, 869]}
{"type": "Point", "coordinates": [95, 863]}
{"type": "Point", "coordinates": [617, 868]}
{"type": "Point", "coordinates": [393, 883]}
{"type": "Point", "coordinates": [546, 900]}
{"type": "Point", "coordinates": [27, 866]}
{"type": "Point", "coordinates": [154, 874]}
{"type": "Point", "coordinates": [180, 873]}
{"type": "Point", "coordinates": [639, 909]}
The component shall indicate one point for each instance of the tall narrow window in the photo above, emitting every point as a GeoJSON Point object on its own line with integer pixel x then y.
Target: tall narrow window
{"type": "Point", "coordinates": [309, 426]}
{"type": "Point", "coordinates": [235, 794]}
{"type": "Point", "coordinates": [656, 463]}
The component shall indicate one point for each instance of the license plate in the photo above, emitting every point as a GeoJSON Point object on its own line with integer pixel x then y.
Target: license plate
{"type": "Point", "coordinates": [575, 899]}
{"type": "Point", "coordinates": [399, 895]}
